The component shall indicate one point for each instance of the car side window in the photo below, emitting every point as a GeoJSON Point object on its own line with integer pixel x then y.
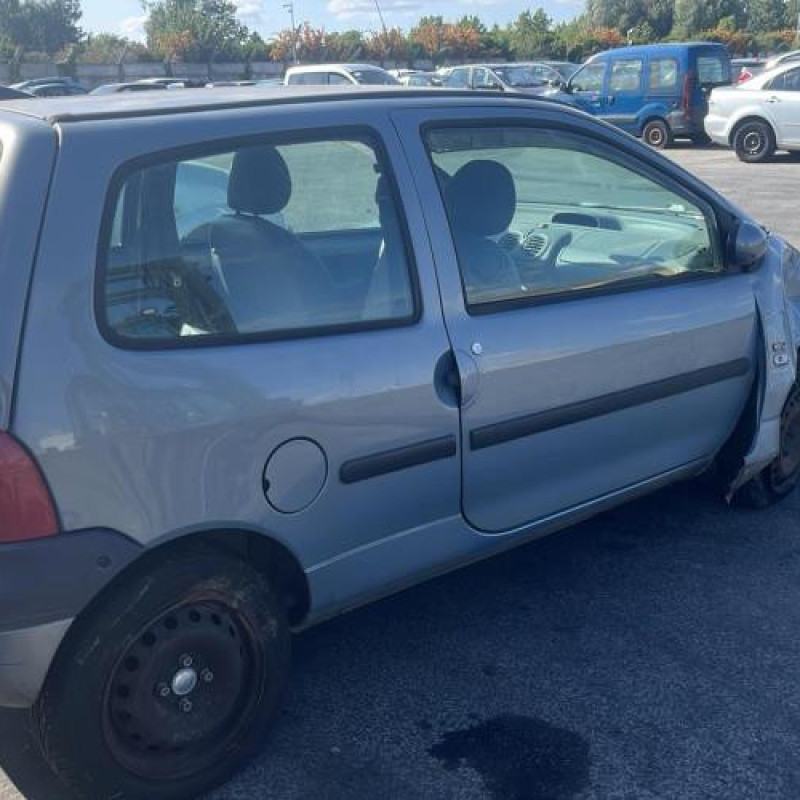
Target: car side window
{"type": "Point", "coordinates": [663, 75]}
{"type": "Point", "coordinates": [589, 79]}
{"type": "Point", "coordinates": [790, 82]}
{"type": "Point", "coordinates": [626, 75]}
{"type": "Point", "coordinates": [537, 214]}
{"type": "Point", "coordinates": [248, 242]}
{"type": "Point", "coordinates": [458, 78]}
{"type": "Point", "coordinates": [335, 79]}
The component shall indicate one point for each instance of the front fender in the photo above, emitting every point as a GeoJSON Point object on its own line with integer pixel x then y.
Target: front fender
{"type": "Point", "coordinates": [776, 287]}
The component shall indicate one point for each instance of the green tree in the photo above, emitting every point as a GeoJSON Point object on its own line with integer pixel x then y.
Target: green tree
{"type": "Point", "coordinates": [693, 16]}
{"type": "Point", "coordinates": [45, 26]}
{"type": "Point", "coordinates": [195, 30]}
{"type": "Point", "coordinates": [346, 46]}
{"type": "Point", "coordinates": [108, 48]}
{"type": "Point", "coordinates": [532, 35]}
{"type": "Point", "coordinates": [766, 15]}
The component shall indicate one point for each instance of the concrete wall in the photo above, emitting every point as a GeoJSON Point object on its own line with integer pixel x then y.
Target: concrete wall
{"type": "Point", "coordinates": [93, 75]}
{"type": "Point", "coordinates": [29, 72]}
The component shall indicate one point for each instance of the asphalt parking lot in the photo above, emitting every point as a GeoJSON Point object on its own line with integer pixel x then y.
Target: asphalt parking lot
{"type": "Point", "coordinates": [649, 653]}
{"type": "Point", "coordinates": [767, 191]}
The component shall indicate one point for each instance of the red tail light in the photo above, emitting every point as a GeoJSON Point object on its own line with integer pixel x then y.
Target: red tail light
{"type": "Point", "coordinates": [26, 508]}
{"type": "Point", "coordinates": [686, 96]}
{"type": "Point", "coordinates": [745, 75]}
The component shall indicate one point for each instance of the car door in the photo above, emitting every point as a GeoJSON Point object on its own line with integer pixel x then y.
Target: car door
{"type": "Point", "coordinates": [783, 100]}
{"type": "Point", "coordinates": [600, 341]}
{"type": "Point", "coordinates": [221, 377]}
{"type": "Point", "coordinates": [587, 85]}
{"type": "Point", "coordinates": [624, 93]}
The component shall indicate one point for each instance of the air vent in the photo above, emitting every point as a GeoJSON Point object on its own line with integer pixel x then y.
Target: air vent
{"type": "Point", "coordinates": [534, 244]}
{"type": "Point", "coordinates": [509, 241]}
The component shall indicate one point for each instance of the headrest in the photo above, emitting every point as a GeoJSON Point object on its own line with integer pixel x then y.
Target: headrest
{"type": "Point", "coordinates": [482, 198]}
{"type": "Point", "coordinates": [259, 182]}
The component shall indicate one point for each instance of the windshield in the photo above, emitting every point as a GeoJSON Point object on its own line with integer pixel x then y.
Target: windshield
{"type": "Point", "coordinates": [374, 77]}
{"type": "Point", "coordinates": [524, 76]}
{"type": "Point", "coordinates": [566, 70]}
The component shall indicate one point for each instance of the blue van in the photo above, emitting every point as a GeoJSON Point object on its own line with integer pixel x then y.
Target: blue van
{"type": "Point", "coordinates": [656, 91]}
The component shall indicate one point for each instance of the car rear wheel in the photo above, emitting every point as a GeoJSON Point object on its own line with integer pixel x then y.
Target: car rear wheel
{"type": "Point", "coordinates": [754, 141]}
{"type": "Point", "coordinates": [657, 134]}
{"type": "Point", "coordinates": [170, 684]}
{"type": "Point", "coordinates": [780, 478]}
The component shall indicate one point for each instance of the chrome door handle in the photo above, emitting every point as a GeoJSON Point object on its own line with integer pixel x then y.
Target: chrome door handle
{"type": "Point", "coordinates": [773, 100]}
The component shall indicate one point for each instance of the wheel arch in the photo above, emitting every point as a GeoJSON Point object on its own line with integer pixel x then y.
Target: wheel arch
{"type": "Point", "coordinates": [266, 553]}
{"type": "Point", "coordinates": [753, 117]}
{"type": "Point", "coordinates": [653, 116]}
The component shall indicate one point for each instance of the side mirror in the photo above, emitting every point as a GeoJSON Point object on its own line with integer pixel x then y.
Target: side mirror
{"type": "Point", "coordinates": [748, 246]}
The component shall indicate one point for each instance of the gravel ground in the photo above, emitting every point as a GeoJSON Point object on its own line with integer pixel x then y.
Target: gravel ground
{"type": "Point", "coordinates": [648, 653]}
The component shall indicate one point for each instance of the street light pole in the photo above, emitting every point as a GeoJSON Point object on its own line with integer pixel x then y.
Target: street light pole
{"type": "Point", "coordinates": [290, 8]}
{"type": "Point", "coordinates": [380, 16]}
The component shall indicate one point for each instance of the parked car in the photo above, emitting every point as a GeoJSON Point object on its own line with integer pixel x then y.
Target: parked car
{"type": "Point", "coordinates": [56, 90]}
{"type": "Point", "coordinates": [760, 116]}
{"type": "Point", "coordinates": [419, 78]}
{"type": "Point", "coordinates": [132, 86]}
{"type": "Point", "coordinates": [267, 356]}
{"type": "Point", "coordinates": [781, 59]}
{"type": "Point", "coordinates": [658, 92]}
{"type": "Point", "coordinates": [338, 75]}
{"type": "Point", "coordinates": [743, 69]}
{"type": "Point", "coordinates": [7, 93]}
{"type": "Point", "coordinates": [517, 78]}
{"type": "Point", "coordinates": [29, 84]}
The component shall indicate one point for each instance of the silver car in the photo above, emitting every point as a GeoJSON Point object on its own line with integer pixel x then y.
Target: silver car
{"type": "Point", "coordinates": [266, 355]}
{"type": "Point", "coordinates": [758, 117]}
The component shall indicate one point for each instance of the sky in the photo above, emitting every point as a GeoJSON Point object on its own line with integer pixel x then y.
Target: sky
{"type": "Point", "coordinates": [269, 16]}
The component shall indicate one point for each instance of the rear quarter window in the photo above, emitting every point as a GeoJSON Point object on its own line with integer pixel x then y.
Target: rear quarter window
{"type": "Point", "coordinates": [276, 238]}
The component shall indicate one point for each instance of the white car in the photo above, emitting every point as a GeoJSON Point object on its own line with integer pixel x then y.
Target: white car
{"type": "Point", "coordinates": [338, 75]}
{"type": "Point", "coordinates": [758, 117]}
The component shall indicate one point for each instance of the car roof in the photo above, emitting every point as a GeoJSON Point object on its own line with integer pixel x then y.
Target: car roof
{"type": "Point", "coordinates": [644, 49]}
{"type": "Point", "coordinates": [57, 110]}
{"type": "Point", "coordinates": [315, 67]}
{"type": "Point", "coordinates": [766, 76]}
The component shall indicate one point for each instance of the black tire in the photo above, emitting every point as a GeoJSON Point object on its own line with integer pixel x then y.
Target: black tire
{"type": "Point", "coordinates": [754, 142]}
{"type": "Point", "coordinates": [657, 134]}
{"type": "Point", "coordinates": [169, 685]}
{"type": "Point", "coordinates": [781, 477]}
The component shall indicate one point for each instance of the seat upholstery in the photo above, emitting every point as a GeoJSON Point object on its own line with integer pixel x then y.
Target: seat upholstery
{"type": "Point", "coordinates": [481, 200]}
{"type": "Point", "coordinates": [270, 279]}
{"type": "Point", "coordinates": [389, 295]}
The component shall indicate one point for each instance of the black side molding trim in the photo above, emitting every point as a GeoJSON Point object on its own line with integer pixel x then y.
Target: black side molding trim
{"type": "Point", "coordinates": [542, 421]}
{"type": "Point", "coordinates": [414, 455]}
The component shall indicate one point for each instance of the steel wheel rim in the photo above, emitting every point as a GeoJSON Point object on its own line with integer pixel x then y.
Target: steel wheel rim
{"type": "Point", "coordinates": [753, 142]}
{"type": "Point", "coordinates": [655, 137]}
{"type": "Point", "coordinates": [183, 690]}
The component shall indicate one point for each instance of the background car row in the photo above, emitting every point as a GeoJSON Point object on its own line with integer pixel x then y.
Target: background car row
{"type": "Point", "coordinates": [659, 93]}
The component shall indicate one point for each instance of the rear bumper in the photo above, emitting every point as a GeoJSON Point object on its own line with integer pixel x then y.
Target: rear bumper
{"type": "Point", "coordinates": [44, 585]}
{"type": "Point", "coordinates": [717, 129]}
